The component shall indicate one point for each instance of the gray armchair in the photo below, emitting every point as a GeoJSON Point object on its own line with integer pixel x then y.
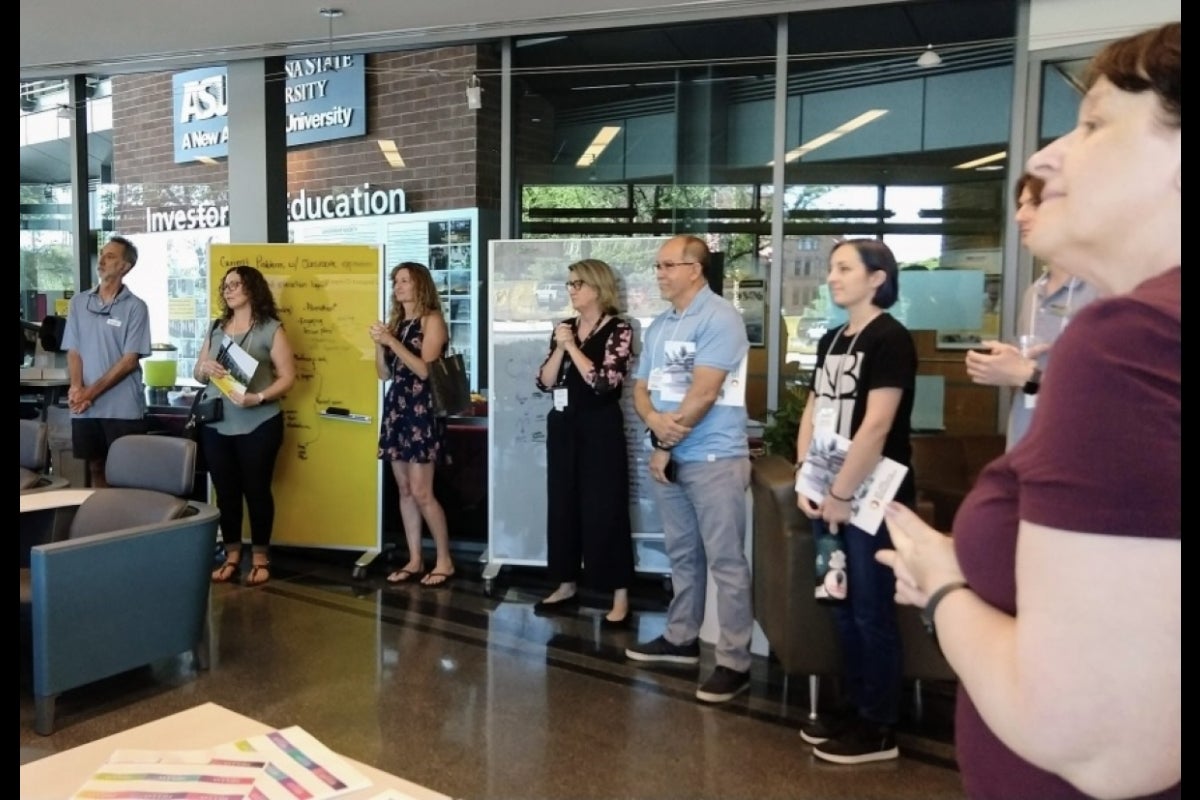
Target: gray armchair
{"type": "Point", "coordinates": [35, 457]}
{"type": "Point", "coordinates": [129, 585]}
{"type": "Point", "coordinates": [799, 628]}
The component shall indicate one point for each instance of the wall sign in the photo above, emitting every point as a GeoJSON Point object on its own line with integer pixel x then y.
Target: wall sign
{"type": "Point", "coordinates": [325, 96]}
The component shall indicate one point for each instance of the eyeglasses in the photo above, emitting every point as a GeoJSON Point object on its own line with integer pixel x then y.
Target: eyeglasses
{"type": "Point", "coordinates": [230, 286]}
{"type": "Point", "coordinates": [575, 285]}
{"type": "Point", "coordinates": [672, 264]}
{"type": "Point", "coordinates": [101, 309]}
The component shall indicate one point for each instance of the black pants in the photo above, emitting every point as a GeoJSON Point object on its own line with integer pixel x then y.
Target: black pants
{"type": "Point", "coordinates": [587, 471]}
{"type": "Point", "coordinates": [242, 468]}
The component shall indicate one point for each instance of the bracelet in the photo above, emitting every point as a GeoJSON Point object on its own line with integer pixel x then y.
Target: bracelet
{"type": "Point", "coordinates": [836, 497]}
{"type": "Point", "coordinates": [931, 605]}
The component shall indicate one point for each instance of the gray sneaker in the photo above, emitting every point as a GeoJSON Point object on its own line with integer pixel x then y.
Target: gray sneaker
{"type": "Point", "coordinates": [724, 684]}
{"type": "Point", "coordinates": [660, 651]}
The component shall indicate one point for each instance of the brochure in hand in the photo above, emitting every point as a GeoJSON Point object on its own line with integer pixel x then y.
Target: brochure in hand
{"type": "Point", "coordinates": [821, 465]}
{"type": "Point", "coordinates": [240, 365]}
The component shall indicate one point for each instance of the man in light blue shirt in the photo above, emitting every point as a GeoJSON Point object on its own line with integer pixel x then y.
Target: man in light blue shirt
{"type": "Point", "coordinates": [108, 331]}
{"type": "Point", "coordinates": [688, 393]}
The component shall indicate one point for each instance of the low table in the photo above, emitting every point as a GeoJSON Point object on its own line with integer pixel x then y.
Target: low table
{"type": "Point", "coordinates": [57, 498]}
{"type": "Point", "coordinates": [203, 726]}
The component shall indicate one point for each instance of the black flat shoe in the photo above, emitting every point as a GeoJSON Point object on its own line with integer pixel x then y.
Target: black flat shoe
{"type": "Point", "coordinates": [617, 624]}
{"type": "Point", "coordinates": [558, 606]}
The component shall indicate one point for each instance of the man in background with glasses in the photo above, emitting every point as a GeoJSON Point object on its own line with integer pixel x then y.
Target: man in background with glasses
{"type": "Point", "coordinates": [108, 331]}
{"type": "Point", "coordinates": [700, 465]}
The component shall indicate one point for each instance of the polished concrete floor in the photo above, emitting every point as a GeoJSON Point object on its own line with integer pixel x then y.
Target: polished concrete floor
{"type": "Point", "coordinates": [467, 691]}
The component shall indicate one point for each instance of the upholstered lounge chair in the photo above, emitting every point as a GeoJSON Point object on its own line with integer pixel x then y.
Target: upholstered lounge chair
{"type": "Point", "coordinates": [129, 585]}
{"type": "Point", "coordinates": [35, 457]}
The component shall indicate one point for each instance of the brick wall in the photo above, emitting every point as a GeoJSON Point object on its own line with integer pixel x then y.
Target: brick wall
{"type": "Point", "coordinates": [417, 98]}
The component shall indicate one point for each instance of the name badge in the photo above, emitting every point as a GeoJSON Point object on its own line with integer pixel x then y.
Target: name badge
{"type": "Point", "coordinates": [655, 380]}
{"type": "Point", "coordinates": [560, 398]}
{"type": "Point", "coordinates": [116, 323]}
{"type": "Point", "coordinates": [825, 419]}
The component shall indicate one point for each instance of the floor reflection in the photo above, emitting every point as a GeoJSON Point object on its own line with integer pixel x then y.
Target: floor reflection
{"type": "Point", "coordinates": [466, 690]}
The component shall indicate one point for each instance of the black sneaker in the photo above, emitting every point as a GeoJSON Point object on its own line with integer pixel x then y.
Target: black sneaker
{"type": "Point", "coordinates": [660, 651]}
{"type": "Point", "coordinates": [724, 684]}
{"type": "Point", "coordinates": [862, 743]}
{"type": "Point", "coordinates": [821, 729]}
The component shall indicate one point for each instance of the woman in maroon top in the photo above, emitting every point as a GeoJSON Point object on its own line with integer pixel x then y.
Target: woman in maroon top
{"type": "Point", "coordinates": [1058, 599]}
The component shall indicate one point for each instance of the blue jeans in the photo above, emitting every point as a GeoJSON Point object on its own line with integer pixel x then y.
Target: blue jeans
{"type": "Point", "coordinates": [704, 524]}
{"type": "Point", "coordinates": [872, 660]}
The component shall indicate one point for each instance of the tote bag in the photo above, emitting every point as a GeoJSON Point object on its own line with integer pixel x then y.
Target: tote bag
{"type": "Point", "coordinates": [448, 381]}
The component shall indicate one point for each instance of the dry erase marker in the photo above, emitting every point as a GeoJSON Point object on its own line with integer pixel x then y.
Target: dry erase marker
{"type": "Point", "coordinates": [336, 412]}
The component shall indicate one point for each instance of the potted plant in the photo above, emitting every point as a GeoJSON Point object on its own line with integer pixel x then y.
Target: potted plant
{"type": "Point", "coordinates": [783, 425]}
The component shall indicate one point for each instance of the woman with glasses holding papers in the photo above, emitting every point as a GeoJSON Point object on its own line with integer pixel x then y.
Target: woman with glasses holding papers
{"type": "Point", "coordinates": [247, 359]}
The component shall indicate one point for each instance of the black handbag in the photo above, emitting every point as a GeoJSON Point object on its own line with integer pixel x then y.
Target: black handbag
{"type": "Point", "coordinates": [448, 381]}
{"type": "Point", "coordinates": [203, 411]}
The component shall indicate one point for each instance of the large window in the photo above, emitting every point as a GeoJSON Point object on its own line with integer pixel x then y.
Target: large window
{"type": "Point", "coordinates": [670, 129]}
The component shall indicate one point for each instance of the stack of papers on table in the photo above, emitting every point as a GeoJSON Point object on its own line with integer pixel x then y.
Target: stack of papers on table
{"type": "Point", "coordinates": [281, 764]}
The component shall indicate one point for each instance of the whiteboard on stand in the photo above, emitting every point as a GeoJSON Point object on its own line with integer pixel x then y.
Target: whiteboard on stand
{"type": "Point", "coordinates": [521, 322]}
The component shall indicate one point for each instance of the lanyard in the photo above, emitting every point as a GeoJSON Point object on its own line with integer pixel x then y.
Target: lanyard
{"type": "Point", "coordinates": [242, 344]}
{"type": "Point", "coordinates": [654, 350]}
{"type": "Point", "coordinates": [1035, 304]}
{"type": "Point", "coordinates": [567, 363]}
{"type": "Point", "coordinates": [837, 378]}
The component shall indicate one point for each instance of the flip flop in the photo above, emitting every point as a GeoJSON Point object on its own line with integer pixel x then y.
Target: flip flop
{"type": "Point", "coordinates": [403, 575]}
{"type": "Point", "coordinates": [436, 579]}
{"type": "Point", "coordinates": [227, 572]}
{"type": "Point", "coordinates": [259, 574]}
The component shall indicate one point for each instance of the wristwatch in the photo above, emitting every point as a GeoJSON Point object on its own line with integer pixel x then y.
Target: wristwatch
{"type": "Point", "coordinates": [934, 599]}
{"type": "Point", "coordinates": [658, 444]}
{"type": "Point", "coordinates": [1034, 383]}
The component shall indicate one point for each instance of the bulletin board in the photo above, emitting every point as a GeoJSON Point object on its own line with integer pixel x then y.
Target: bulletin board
{"type": "Point", "coordinates": [327, 479]}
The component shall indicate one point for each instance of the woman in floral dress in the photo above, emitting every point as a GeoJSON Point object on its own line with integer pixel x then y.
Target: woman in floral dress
{"type": "Point", "coordinates": [410, 435]}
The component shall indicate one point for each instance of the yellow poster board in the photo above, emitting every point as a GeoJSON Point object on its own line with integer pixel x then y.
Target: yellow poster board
{"type": "Point", "coordinates": [327, 478]}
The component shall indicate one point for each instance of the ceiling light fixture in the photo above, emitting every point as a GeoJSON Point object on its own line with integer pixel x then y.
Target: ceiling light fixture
{"type": "Point", "coordinates": [603, 140]}
{"type": "Point", "coordinates": [391, 153]}
{"type": "Point", "coordinates": [65, 111]}
{"type": "Point", "coordinates": [474, 93]}
{"type": "Point", "coordinates": [979, 162]}
{"type": "Point", "coordinates": [929, 58]}
{"type": "Point", "coordinates": [864, 118]}
{"type": "Point", "coordinates": [331, 14]}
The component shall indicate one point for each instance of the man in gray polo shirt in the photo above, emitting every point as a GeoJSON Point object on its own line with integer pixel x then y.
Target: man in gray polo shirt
{"type": "Point", "coordinates": [685, 393]}
{"type": "Point", "coordinates": [108, 331]}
